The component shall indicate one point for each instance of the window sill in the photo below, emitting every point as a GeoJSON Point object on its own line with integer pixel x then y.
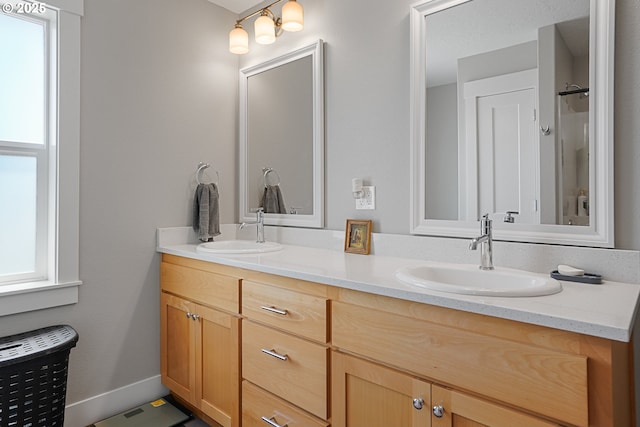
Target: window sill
{"type": "Point", "coordinates": [29, 296]}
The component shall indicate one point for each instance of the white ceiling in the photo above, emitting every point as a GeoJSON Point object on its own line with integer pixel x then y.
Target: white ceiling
{"type": "Point", "coordinates": [236, 6]}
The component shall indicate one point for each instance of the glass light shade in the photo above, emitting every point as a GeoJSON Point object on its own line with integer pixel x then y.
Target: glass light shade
{"type": "Point", "coordinates": [292, 16]}
{"type": "Point", "coordinates": [238, 41]}
{"type": "Point", "coordinates": [265, 30]}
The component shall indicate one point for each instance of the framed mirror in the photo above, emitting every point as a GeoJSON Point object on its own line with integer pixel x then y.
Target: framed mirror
{"type": "Point", "coordinates": [282, 139]}
{"type": "Point", "coordinates": [512, 110]}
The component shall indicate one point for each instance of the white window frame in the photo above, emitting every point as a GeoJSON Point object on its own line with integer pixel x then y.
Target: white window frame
{"type": "Point", "coordinates": [60, 286]}
{"type": "Point", "coordinates": [45, 169]}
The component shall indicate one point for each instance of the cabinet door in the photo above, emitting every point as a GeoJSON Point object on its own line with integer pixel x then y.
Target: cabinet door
{"type": "Point", "coordinates": [177, 339]}
{"type": "Point", "coordinates": [217, 368]}
{"type": "Point", "coordinates": [368, 395]}
{"type": "Point", "coordinates": [455, 409]}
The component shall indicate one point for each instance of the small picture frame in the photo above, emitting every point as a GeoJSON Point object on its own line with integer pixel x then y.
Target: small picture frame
{"type": "Point", "coordinates": [357, 238]}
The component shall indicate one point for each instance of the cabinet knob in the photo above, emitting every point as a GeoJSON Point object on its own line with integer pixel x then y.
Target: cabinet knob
{"type": "Point", "coordinates": [195, 316]}
{"type": "Point", "coordinates": [418, 403]}
{"type": "Point", "coordinates": [189, 315]}
{"type": "Point", "coordinates": [438, 411]}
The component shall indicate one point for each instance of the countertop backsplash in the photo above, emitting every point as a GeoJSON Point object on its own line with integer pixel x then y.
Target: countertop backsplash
{"type": "Point", "coordinates": [613, 264]}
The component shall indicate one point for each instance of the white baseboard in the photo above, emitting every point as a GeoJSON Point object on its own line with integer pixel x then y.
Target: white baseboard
{"type": "Point", "coordinates": [97, 408]}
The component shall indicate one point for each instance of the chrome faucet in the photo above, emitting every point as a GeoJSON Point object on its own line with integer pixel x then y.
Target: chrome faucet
{"type": "Point", "coordinates": [259, 223]}
{"type": "Point", "coordinates": [486, 244]}
{"type": "Point", "coordinates": [486, 239]}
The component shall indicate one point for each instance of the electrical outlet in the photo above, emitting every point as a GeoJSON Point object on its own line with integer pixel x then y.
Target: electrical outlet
{"type": "Point", "coordinates": [368, 199]}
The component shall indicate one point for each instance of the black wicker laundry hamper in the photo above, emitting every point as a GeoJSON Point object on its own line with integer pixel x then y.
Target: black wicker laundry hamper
{"type": "Point", "coordinates": [33, 376]}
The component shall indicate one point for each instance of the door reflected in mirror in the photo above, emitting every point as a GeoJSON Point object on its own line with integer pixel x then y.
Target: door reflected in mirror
{"type": "Point", "coordinates": [503, 119]}
{"type": "Point", "coordinates": [281, 139]}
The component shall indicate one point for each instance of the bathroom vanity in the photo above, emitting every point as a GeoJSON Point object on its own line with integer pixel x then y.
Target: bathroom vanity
{"type": "Point", "coordinates": [312, 337]}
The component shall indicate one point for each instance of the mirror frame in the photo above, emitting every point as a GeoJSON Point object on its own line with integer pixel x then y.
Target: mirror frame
{"type": "Point", "coordinates": [600, 232]}
{"type": "Point", "coordinates": [316, 219]}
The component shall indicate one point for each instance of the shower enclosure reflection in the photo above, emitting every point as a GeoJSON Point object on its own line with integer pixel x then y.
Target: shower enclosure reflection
{"type": "Point", "coordinates": [573, 144]}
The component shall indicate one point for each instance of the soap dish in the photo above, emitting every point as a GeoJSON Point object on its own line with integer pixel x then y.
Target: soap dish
{"type": "Point", "coordinates": [593, 279]}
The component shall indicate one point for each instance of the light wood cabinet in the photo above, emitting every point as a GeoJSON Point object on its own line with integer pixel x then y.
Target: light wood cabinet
{"type": "Point", "coordinates": [288, 366]}
{"type": "Point", "coordinates": [369, 395]}
{"type": "Point", "coordinates": [481, 365]}
{"type": "Point", "coordinates": [383, 356]}
{"type": "Point", "coordinates": [366, 394]}
{"type": "Point", "coordinates": [259, 407]}
{"type": "Point", "coordinates": [545, 381]}
{"type": "Point", "coordinates": [456, 409]}
{"type": "Point", "coordinates": [292, 311]}
{"type": "Point", "coordinates": [200, 350]}
{"type": "Point", "coordinates": [284, 349]}
{"type": "Point", "coordinates": [178, 359]}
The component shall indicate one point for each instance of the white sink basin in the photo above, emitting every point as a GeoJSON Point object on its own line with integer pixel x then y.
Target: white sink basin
{"type": "Point", "coordinates": [470, 280]}
{"type": "Point", "coordinates": [238, 247]}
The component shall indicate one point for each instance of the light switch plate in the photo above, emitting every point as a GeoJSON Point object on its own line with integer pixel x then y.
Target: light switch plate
{"type": "Point", "coordinates": [368, 200]}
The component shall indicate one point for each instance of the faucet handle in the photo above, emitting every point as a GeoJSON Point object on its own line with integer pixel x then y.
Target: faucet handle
{"type": "Point", "coordinates": [509, 216]}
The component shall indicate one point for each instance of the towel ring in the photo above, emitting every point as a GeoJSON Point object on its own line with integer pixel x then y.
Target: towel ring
{"type": "Point", "coordinates": [267, 171]}
{"type": "Point", "coordinates": [201, 167]}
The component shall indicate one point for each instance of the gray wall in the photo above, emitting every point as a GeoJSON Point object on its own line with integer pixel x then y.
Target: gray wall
{"type": "Point", "coordinates": [442, 152]}
{"type": "Point", "coordinates": [366, 103]}
{"type": "Point", "coordinates": [367, 108]}
{"type": "Point", "coordinates": [627, 126]}
{"type": "Point", "coordinates": [159, 95]}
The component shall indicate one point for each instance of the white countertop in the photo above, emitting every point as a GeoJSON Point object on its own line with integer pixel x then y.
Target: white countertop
{"type": "Point", "coordinates": [606, 310]}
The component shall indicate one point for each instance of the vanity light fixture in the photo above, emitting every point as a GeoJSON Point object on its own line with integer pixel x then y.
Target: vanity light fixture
{"type": "Point", "coordinates": [267, 27]}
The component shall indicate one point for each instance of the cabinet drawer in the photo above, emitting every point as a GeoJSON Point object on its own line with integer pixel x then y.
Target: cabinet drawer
{"type": "Point", "coordinates": [286, 309]}
{"type": "Point", "coordinates": [299, 375]}
{"type": "Point", "coordinates": [201, 286]}
{"type": "Point", "coordinates": [257, 404]}
{"type": "Point", "coordinates": [545, 381]}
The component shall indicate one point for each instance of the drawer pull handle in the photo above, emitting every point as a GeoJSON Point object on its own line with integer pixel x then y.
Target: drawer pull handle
{"type": "Point", "coordinates": [272, 309]}
{"type": "Point", "coordinates": [272, 423]}
{"type": "Point", "coordinates": [274, 354]}
{"type": "Point", "coordinates": [438, 411]}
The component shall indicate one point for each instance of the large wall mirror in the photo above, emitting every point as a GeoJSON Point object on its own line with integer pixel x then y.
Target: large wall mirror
{"type": "Point", "coordinates": [282, 139]}
{"type": "Point", "coordinates": [512, 110]}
